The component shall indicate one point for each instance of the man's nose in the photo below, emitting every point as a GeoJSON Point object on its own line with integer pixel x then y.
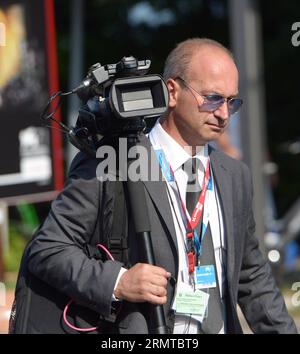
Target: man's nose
{"type": "Point", "coordinates": [223, 111]}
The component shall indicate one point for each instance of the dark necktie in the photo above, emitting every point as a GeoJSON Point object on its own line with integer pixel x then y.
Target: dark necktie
{"type": "Point", "coordinates": [193, 187]}
{"type": "Point", "coordinates": [214, 320]}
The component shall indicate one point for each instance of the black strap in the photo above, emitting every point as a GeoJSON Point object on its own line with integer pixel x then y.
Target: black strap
{"type": "Point", "coordinates": [115, 240]}
{"type": "Point", "coordinates": [118, 241]}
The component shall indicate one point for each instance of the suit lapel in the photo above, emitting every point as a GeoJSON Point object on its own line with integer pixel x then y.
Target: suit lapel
{"type": "Point", "coordinates": [157, 191]}
{"type": "Point", "coordinates": [223, 183]}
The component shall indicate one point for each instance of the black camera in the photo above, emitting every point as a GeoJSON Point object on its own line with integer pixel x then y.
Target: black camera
{"type": "Point", "coordinates": [118, 98]}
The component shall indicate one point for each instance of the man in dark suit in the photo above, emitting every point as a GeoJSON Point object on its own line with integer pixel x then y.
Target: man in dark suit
{"type": "Point", "coordinates": [202, 227]}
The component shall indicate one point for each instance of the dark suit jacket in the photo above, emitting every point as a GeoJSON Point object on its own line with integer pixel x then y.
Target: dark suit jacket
{"type": "Point", "coordinates": [57, 255]}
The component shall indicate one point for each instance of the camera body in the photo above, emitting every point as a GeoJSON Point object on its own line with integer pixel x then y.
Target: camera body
{"type": "Point", "coordinates": [118, 98]}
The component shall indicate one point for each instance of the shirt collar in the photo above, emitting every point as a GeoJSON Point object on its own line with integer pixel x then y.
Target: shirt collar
{"type": "Point", "coordinates": [173, 151]}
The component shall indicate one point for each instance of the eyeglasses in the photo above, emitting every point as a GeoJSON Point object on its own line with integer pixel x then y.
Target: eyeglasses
{"type": "Point", "coordinates": [214, 101]}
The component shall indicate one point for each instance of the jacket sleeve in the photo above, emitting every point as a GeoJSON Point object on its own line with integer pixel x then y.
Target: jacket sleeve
{"type": "Point", "coordinates": [258, 296]}
{"type": "Point", "coordinates": [57, 254]}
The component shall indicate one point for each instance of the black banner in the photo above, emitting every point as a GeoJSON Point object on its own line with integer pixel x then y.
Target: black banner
{"type": "Point", "coordinates": [30, 153]}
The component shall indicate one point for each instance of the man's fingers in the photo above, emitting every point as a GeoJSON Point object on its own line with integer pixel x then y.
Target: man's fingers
{"type": "Point", "coordinates": [159, 280]}
{"type": "Point", "coordinates": [157, 300]}
{"type": "Point", "coordinates": [143, 282]}
{"type": "Point", "coordinates": [161, 271]}
{"type": "Point", "coordinates": [154, 270]}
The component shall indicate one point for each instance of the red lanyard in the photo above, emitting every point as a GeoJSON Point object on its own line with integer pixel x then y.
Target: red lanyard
{"type": "Point", "coordinates": [198, 210]}
{"type": "Point", "coordinates": [192, 238]}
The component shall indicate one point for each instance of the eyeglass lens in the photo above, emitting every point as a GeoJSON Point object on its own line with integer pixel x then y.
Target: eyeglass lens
{"type": "Point", "coordinates": [214, 102]}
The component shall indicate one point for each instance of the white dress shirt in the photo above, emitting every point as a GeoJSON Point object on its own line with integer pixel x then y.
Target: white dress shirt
{"type": "Point", "coordinates": [176, 156]}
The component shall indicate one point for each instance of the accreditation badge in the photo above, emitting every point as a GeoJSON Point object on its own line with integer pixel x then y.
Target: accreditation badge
{"type": "Point", "coordinates": [205, 277]}
{"type": "Point", "coordinates": [190, 302]}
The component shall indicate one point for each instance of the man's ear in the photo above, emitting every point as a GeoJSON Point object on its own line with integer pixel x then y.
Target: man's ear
{"type": "Point", "coordinates": [173, 92]}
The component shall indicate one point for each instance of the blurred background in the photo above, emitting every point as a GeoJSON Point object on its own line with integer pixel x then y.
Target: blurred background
{"type": "Point", "coordinates": [49, 45]}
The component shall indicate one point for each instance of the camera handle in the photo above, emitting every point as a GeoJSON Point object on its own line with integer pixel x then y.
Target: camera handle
{"type": "Point", "coordinates": [136, 193]}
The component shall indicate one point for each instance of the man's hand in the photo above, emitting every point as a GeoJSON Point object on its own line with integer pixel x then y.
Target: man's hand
{"type": "Point", "coordinates": [143, 282]}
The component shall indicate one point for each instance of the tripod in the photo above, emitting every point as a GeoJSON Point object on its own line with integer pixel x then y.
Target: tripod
{"type": "Point", "coordinates": [136, 193]}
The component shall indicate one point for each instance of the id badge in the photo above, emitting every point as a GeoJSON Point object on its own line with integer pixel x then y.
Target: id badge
{"type": "Point", "coordinates": [205, 277]}
{"type": "Point", "coordinates": [192, 302]}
